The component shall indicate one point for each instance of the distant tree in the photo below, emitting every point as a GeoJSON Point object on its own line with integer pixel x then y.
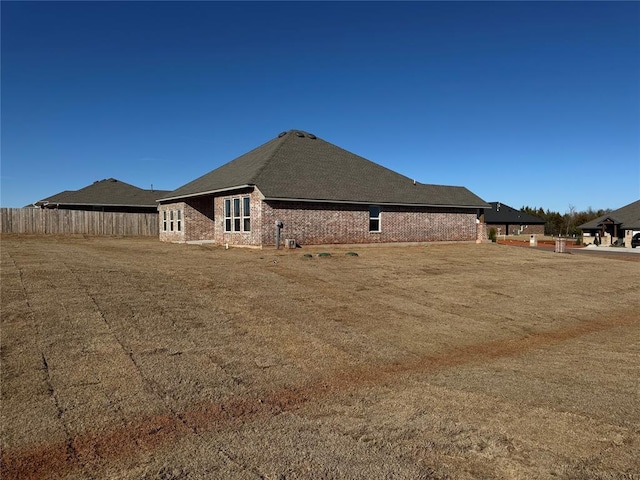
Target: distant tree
{"type": "Point", "coordinates": [556, 223]}
{"type": "Point", "coordinates": [570, 220]}
{"type": "Point", "coordinates": [583, 217]}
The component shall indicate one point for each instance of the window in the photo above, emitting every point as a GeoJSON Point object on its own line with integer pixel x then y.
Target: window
{"type": "Point", "coordinates": [227, 215]}
{"type": "Point", "coordinates": [237, 214]}
{"type": "Point", "coordinates": [246, 211]}
{"type": "Point", "coordinates": [374, 218]}
{"type": "Point", "coordinates": [172, 220]}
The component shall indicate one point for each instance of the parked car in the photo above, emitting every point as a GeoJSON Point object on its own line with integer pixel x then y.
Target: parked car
{"type": "Point", "coordinates": [635, 240]}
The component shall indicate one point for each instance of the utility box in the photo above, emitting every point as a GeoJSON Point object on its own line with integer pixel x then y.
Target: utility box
{"type": "Point", "coordinates": [533, 241]}
{"type": "Point", "coordinates": [290, 243]}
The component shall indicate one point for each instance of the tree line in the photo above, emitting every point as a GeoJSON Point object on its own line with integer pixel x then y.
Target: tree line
{"type": "Point", "coordinates": [556, 223]}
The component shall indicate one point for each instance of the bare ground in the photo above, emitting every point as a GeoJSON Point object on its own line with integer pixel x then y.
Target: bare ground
{"type": "Point", "coordinates": [129, 358]}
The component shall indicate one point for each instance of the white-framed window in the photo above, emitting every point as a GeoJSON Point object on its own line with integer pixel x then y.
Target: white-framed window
{"type": "Point", "coordinates": [164, 221]}
{"type": "Point", "coordinates": [171, 220]}
{"type": "Point", "coordinates": [237, 214]}
{"type": "Point", "coordinates": [179, 220]}
{"type": "Point", "coordinates": [374, 218]}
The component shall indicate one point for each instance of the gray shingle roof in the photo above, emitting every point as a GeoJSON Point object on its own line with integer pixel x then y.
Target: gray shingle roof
{"type": "Point", "coordinates": [109, 192]}
{"type": "Point", "coordinates": [299, 166]}
{"type": "Point", "coordinates": [501, 213]}
{"type": "Point", "coordinates": [628, 217]}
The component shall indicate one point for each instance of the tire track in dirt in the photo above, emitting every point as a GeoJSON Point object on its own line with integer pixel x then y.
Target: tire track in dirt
{"type": "Point", "coordinates": [128, 352]}
{"type": "Point", "coordinates": [154, 432]}
{"type": "Point", "coordinates": [69, 454]}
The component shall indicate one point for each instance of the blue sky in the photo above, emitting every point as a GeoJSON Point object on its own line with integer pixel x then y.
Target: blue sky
{"type": "Point", "coordinates": [527, 103]}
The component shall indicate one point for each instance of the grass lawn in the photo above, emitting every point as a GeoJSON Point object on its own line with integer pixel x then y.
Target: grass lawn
{"type": "Point", "coordinates": [132, 358]}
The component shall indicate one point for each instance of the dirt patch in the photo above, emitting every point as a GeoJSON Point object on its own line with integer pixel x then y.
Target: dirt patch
{"type": "Point", "coordinates": [134, 359]}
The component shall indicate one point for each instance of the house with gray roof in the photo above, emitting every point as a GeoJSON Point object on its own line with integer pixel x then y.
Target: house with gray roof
{"type": "Point", "coordinates": [301, 188]}
{"type": "Point", "coordinates": [510, 221]}
{"type": "Point", "coordinates": [615, 227]}
{"type": "Point", "coordinates": [109, 195]}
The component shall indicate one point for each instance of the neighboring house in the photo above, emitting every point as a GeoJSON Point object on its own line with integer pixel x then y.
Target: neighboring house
{"type": "Point", "coordinates": [614, 227]}
{"type": "Point", "coordinates": [302, 188]}
{"type": "Point", "coordinates": [108, 195]}
{"type": "Point", "coordinates": [509, 221]}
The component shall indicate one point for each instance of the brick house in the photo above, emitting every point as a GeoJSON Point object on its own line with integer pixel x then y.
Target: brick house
{"type": "Point", "coordinates": [509, 221]}
{"type": "Point", "coordinates": [300, 187]}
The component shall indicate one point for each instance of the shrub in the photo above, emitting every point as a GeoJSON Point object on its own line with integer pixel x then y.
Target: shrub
{"type": "Point", "coordinates": [492, 234]}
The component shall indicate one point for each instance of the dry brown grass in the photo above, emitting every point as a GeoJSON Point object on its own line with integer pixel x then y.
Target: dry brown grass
{"type": "Point", "coordinates": [129, 358]}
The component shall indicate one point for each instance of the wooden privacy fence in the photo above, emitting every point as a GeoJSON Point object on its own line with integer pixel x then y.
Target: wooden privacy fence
{"type": "Point", "coordinates": [50, 221]}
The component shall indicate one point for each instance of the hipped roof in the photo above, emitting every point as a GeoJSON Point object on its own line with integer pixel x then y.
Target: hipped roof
{"type": "Point", "coordinates": [628, 217]}
{"type": "Point", "coordinates": [297, 165]}
{"type": "Point", "coordinates": [108, 192]}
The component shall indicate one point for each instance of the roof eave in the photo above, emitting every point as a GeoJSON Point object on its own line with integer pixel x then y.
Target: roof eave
{"type": "Point", "coordinates": [46, 204]}
{"type": "Point", "coordinates": [208, 192]}
{"type": "Point", "coordinates": [359, 202]}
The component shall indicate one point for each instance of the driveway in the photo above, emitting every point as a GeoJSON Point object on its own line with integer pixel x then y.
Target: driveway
{"type": "Point", "coordinates": [633, 253]}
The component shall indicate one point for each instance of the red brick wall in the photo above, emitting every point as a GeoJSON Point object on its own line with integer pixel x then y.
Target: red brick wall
{"type": "Point", "coordinates": [197, 220]}
{"type": "Point", "coordinates": [203, 219]}
{"type": "Point", "coordinates": [317, 223]}
{"type": "Point", "coordinates": [310, 224]}
{"type": "Point", "coordinates": [168, 235]}
{"type": "Point", "coordinates": [251, 238]}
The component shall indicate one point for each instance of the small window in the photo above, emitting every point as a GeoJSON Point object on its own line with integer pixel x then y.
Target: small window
{"type": "Point", "coordinates": [236, 214]}
{"type": "Point", "coordinates": [246, 214]}
{"type": "Point", "coordinates": [227, 215]}
{"type": "Point", "coordinates": [374, 218]}
{"type": "Point", "coordinates": [164, 221]}
{"type": "Point", "coordinates": [179, 220]}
